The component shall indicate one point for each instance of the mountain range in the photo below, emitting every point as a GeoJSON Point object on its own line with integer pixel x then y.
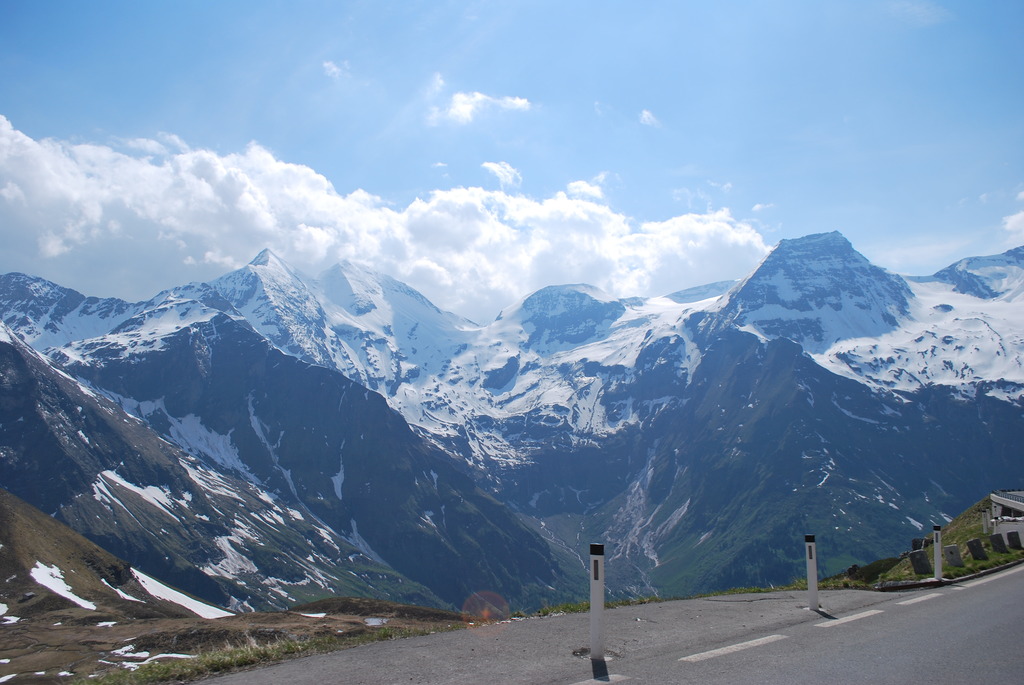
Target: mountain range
{"type": "Point", "coordinates": [270, 436]}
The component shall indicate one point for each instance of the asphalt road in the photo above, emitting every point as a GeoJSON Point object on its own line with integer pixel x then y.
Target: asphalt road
{"type": "Point", "coordinates": [959, 633]}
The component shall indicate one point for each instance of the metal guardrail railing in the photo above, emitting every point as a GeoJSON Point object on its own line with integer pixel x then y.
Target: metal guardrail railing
{"type": "Point", "coordinates": [1010, 495]}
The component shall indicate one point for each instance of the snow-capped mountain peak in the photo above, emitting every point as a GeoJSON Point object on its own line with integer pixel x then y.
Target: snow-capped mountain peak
{"type": "Point", "coordinates": [561, 316]}
{"type": "Point", "coordinates": [277, 302]}
{"type": "Point", "coordinates": [965, 328]}
{"type": "Point", "coordinates": [816, 291]}
{"type": "Point", "coordinates": [45, 314]}
{"type": "Point", "coordinates": [987, 277]}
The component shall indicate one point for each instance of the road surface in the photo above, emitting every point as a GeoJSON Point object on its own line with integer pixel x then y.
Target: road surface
{"type": "Point", "coordinates": [961, 633]}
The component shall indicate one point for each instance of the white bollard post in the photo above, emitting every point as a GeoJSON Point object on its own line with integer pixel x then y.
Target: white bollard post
{"type": "Point", "coordinates": [937, 544]}
{"type": "Point", "coordinates": [812, 573]}
{"type": "Point", "coordinates": [597, 602]}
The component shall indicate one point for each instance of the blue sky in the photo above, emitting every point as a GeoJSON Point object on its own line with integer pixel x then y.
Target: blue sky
{"type": "Point", "coordinates": [481, 150]}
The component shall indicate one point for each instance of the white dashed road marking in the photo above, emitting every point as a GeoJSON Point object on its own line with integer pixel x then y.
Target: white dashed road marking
{"type": "Point", "coordinates": [922, 598]}
{"type": "Point", "coordinates": [847, 619]}
{"type": "Point", "coordinates": [609, 679]}
{"type": "Point", "coordinates": [733, 648]}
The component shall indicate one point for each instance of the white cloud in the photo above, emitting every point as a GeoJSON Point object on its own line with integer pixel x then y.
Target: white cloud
{"type": "Point", "coordinates": [464, 107]}
{"type": "Point", "coordinates": [146, 145]}
{"type": "Point", "coordinates": [335, 71]}
{"type": "Point", "coordinates": [507, 175]}
{"type": "Point", "coordinates": [761, 206]}
{"type": "Point", "coordinates": [691, 196]}
{"type": "Point", "coordinates": [585, 189]}
{"type": "Point", "coordinates": [648, 119]}
{"type": "Point", "coordinates": [114, 223]}
{"type": "Point", "coordinates": [436, 84]}
{"type": "Point", "coordinates": [1014, 224]}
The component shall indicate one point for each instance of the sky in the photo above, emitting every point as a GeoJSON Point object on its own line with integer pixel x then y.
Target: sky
{"type": "Point", "coordinates": [479, 151]}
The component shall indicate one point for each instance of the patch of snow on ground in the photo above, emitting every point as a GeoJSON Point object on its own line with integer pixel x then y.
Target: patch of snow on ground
{"type": "Point", "coordinates": [158, 497]}
{"type": "Point", "coordinates": [161, 591]}
{"type": "Point", "coordinates": [233, 563]}
{"type": "Point", "coordinates": [210, 481]}
{"type": "Point", "coordinates": [951, 339]}
{"type": "Point", "coordinates": [190, 433]}
{"type": "Point", "coordinates": [851, 414]}
{"type": "Point", "coordinates": [339, 478]}
{"type": "Point", "coordinates": [52, 578]}
{"type": "Point", "coordinates": [357, 541]}
{"type": "Point", "coordinates": [120, 593]}
{"type": "Point", "coordinates": [131, 666]}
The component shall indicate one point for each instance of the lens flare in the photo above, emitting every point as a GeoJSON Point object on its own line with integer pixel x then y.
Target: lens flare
{"type": "Point", "coordinates": [485, 606]}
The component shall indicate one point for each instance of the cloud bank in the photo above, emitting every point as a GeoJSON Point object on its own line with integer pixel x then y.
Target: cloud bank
{"type": "Point", "coordinates": [131, 219]}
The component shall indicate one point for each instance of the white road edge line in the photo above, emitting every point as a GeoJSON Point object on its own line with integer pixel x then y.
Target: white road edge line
{"type": "Point", "coordinates": [847, 619]}
{"type": "Point", "coordinates": [994, 576]}
{"type": "Point", "coordinates": [922, 598]}
{"type": "Point", "coordinates": [733, 648]}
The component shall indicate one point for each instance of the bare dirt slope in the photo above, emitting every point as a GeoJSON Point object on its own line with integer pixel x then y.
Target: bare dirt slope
{"type": "Point", "coordinates": [79, 642]}
{"type": "Point", "coordinates": [68, 608]}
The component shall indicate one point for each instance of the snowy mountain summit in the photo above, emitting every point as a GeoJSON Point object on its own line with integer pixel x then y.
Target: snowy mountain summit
{"type": "Point", "coordinates": [564, 316]}
{"type": "Point", "coordinates": [999, 276]}
{"type": "Point", "coordinates": [816, 291]}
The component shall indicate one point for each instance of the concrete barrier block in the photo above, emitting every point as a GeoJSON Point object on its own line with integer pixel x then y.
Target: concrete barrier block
{"type": "Point", "coordinates": [919, 560]}
{"type": "Point", "coordinates": [1013, 540]}
{"type": "Point", "coordinates": [951, 555]}
{"type": "Point", "coordinates": [998, 543]}
{"type": "Point", "coordinates": [977, 551]}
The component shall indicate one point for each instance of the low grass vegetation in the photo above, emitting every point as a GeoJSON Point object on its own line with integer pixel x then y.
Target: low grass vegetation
{"type": "Point", "coordinates": [211, 663]}
{"type": "Point", "coordinates": [964, 527]}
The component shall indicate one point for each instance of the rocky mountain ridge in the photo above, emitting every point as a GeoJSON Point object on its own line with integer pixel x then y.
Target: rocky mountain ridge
{"type": "Point", "coordinates": [249, 499]}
